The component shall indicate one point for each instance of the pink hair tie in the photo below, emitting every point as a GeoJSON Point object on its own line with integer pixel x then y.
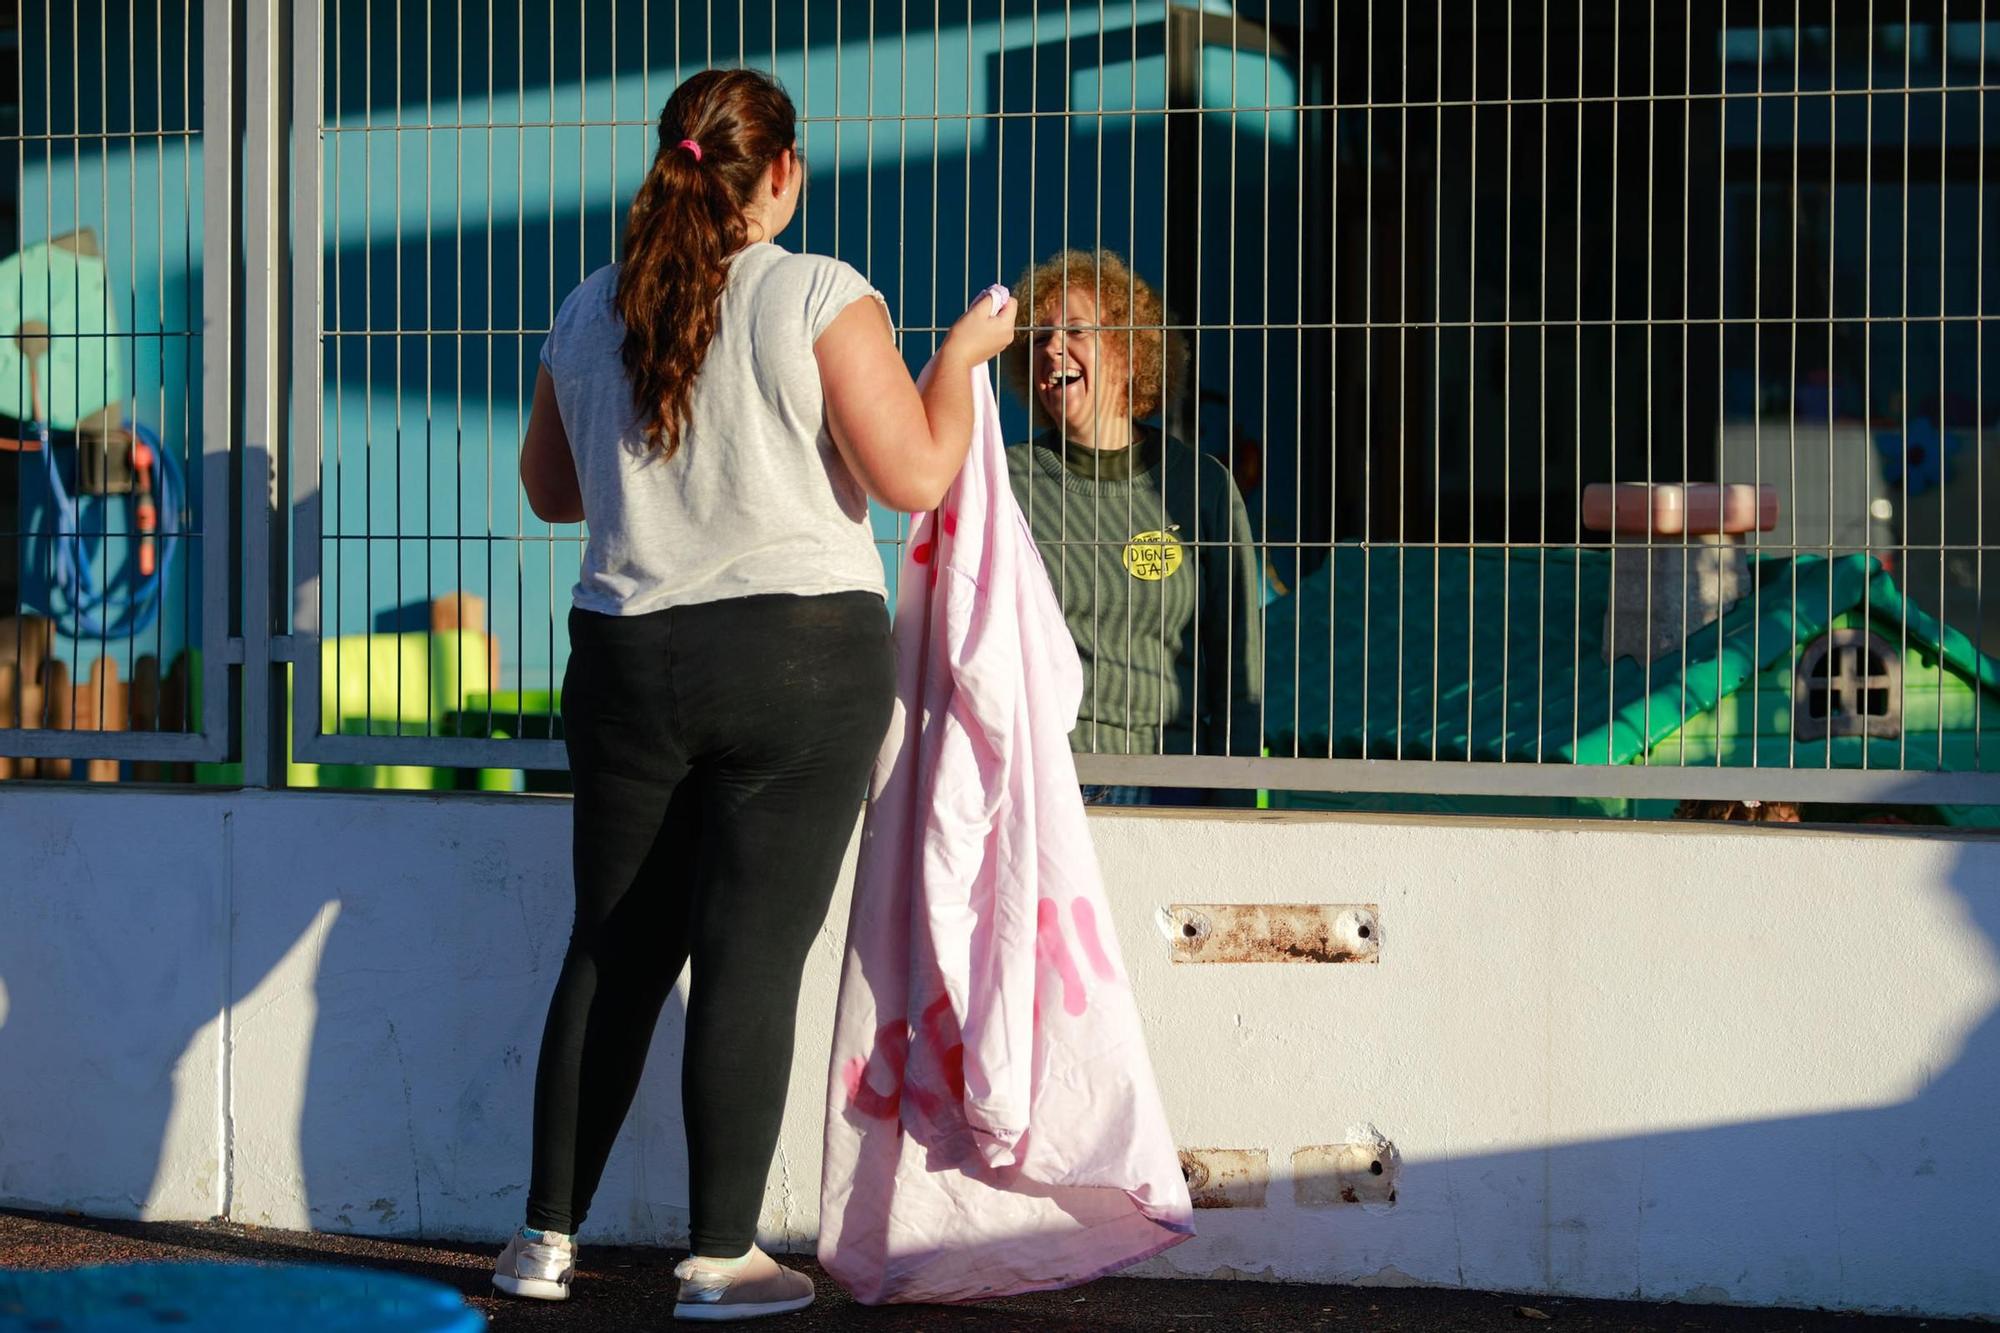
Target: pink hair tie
{"type": "Point", "coordinates": [692, 147]}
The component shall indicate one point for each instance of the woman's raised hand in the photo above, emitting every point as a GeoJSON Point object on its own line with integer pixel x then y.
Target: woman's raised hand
{"type": "Point", "coordinates": [981, 333]}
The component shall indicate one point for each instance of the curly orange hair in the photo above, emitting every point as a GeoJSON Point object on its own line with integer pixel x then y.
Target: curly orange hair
{"type": "Point", "coordinates": [1130, 315]}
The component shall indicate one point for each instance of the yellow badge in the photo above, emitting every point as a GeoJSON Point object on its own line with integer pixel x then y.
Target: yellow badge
{"type": "Point", "coordinates": [1152, 556]}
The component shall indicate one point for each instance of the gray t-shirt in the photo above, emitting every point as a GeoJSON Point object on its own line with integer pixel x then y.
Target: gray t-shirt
{"type": "Point", "coordinates": [757, 499]}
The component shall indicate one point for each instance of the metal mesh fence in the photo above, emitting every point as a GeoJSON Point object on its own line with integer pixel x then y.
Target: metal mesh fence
{"type": "Point", "coordinates": [105, 563]}
{"type": "Point", "coordinates": [1576, 399]}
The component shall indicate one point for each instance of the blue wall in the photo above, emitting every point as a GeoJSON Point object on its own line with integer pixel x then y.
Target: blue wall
{"type": "Point", "coordinates": [460, 194]}
{"type": "Point", "coordinates": [467, 227]}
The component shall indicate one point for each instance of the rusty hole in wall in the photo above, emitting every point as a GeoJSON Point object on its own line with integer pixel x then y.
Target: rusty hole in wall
{"type": "Point", "coordinates": [1360, 1171]}
{"type": "Point", "coordinates": [1226, 1177]}
{"type": "Point", "coordinates": [1273, 932]}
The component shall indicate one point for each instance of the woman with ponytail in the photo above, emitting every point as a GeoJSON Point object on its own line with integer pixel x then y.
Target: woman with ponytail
{"type": "Point", "coordinates": [721, 411]}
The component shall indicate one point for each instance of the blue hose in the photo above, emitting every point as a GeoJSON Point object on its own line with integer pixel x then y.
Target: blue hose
{"type": "Point", "coordinates": [99, 613]}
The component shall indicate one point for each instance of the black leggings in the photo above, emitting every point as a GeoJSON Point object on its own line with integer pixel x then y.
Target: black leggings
{"type": "Point", "coordinates": [720, 754]}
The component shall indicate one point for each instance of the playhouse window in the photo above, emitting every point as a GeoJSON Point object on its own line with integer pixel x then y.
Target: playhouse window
{"type": "Point", "coordinates": [1849, 683]}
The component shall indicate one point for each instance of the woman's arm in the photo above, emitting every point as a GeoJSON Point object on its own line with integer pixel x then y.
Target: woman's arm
{"type": "Point", "coordinates": [548, 471]}
{"type": "Point", "coordinates": [904, 446]}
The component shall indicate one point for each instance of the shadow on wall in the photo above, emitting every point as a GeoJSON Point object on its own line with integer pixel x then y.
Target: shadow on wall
{"type": "Point", "coordinates": [1889, 1207]}
{"type": "Point", "coordinates": [374, 1048]}
{"type": "Point", "coordinates": [367, 1062]}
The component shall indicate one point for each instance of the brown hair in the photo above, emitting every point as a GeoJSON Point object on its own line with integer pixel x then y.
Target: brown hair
{"type": "Point", "coordinates": [1129, 311]}
{"type": "Point", "coordinates": [1755, 812]}
{"type": "Point", "coordinates": [686, 222]}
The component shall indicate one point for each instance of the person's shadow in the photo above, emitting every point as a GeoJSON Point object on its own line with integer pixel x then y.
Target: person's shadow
{"type": "Point", "coordinates": [188, 1036]}
{"type": "Point", "coordinates": [381, 1047]}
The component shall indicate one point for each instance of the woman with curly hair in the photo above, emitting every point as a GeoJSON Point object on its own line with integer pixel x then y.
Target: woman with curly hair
{"type": "Point", "coordinates": [1146, 539]}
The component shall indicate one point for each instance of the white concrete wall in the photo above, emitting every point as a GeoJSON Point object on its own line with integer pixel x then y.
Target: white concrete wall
{"type": "Point", "coordinates": [1727, 1064]}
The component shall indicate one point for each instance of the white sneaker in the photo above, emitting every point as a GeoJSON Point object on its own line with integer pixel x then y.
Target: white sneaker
{"type": "Point", "coordinates": [540, 1269]}
{"type": "Point", "coordinates": [717, 1290]}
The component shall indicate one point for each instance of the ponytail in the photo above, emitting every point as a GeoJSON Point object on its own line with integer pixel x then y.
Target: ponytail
{"type": "Point", "coordinates": [719, 134]}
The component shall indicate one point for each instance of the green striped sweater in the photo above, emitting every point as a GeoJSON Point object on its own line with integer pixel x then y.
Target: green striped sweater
{"type": "Point", "coordinates": [1152, 558]}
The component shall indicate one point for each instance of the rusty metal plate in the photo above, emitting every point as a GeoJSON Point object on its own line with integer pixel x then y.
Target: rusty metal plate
{"type": "Point", "coordinates": [1273, 932]}
{"type": "Point", "coordinates": [1226, 1177]}
{"type": "Point", "coordinates": [1327, 1175]}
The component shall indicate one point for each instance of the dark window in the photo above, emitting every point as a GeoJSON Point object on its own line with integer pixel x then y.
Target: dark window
{"type": "Point", "coordinates": [1848, 683]}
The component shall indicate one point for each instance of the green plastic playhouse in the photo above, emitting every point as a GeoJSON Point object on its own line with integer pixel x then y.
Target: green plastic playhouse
{"type": "Point", "coordinates": [1491, 654]}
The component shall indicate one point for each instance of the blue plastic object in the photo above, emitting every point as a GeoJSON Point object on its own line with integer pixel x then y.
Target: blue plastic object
{"type": "Point", "coordinates": [96, 612]}
{"type": "Point", "coordinates": [1921, 458]}
{"type": "Point", "coordinates": [229, 1298]}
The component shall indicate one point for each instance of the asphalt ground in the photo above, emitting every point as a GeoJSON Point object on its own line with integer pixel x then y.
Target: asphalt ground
{"type": "Point", "coordinates": [632, 1288]}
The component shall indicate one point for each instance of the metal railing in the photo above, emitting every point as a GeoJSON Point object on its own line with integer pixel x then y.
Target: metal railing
{"type": "Point", "coordinates": [115, 389]}
{"type": "Point", "coordinates": [1439, 273]}
{"type": "Point", "coordinates": [1596, 379]}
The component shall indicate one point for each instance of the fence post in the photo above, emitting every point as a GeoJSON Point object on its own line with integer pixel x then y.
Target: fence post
{"type": "Point", "coordinates": [263, 335]}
